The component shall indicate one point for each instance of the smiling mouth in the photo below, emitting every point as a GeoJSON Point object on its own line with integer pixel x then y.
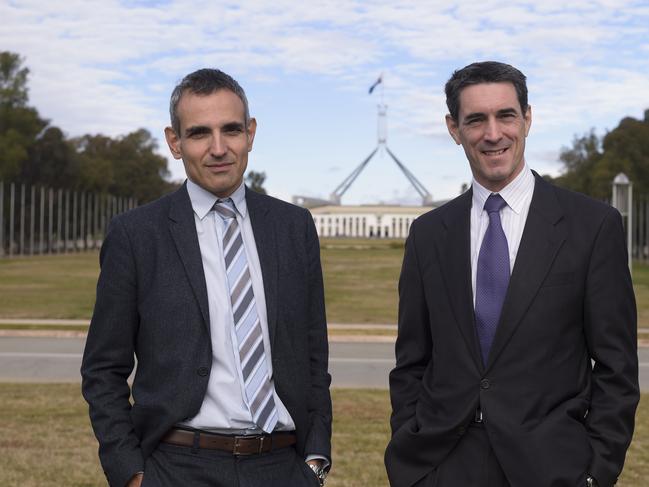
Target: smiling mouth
{"type": "Point", "coordinates": [494, 152]}
{"type": "Point", "coordinates": [219, 165]}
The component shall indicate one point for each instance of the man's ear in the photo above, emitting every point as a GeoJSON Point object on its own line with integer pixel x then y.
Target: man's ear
{"type": "Point", "coordinates": [453, 129]}
{"type": "Point", "coordinates": [528, 119]}
{"type": "Point", "coordinates": [173, 141]}
{"type": "Point", "coordinates": [251, 131]}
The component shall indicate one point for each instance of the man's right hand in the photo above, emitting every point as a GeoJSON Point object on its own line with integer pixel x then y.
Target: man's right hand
{"type": "Point", "coordinates": [136, 480]}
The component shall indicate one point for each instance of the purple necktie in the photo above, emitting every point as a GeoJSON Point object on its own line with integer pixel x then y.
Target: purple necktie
{"type": "Point", "coordinates": [492, 276]}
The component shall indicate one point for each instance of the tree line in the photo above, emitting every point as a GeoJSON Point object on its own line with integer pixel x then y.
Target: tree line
{"type": "Point", "coordinates": [593, 161]}
{"type": "Point", "coordinates": [33, 151]}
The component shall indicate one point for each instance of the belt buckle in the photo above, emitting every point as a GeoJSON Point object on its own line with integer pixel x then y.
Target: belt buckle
{"type": "Point", "coordinates": [238, 443]}
{"type": "Point", "coordinates": [262, 438]}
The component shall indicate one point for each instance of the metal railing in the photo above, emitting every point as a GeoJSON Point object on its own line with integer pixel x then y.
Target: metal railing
{"type": "Point", "coordinates": [39, 220]}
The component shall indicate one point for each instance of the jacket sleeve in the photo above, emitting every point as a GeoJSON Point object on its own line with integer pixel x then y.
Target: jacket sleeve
{"type": "Point", "coordinates": [318, 441]}
{"type": "Point", "coordinates": [412, 349]}
{"type": "Point", "coordinates": [611, 335]}
{"type": "Point", "coordinates": [108, 358]}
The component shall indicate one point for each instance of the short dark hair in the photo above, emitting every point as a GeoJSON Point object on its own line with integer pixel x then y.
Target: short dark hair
{"type": "Point", "coordinates": [484, 72]}
{"type": "Point", "coordinates": [205, 82]}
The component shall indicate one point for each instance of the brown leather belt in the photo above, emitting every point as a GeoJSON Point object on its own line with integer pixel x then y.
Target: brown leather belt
{"type": "Point", "coordinates": [237, 445]}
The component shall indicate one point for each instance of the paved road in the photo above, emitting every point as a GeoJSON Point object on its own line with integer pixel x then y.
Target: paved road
{"type": "Point", "coordinates": [58, 360]}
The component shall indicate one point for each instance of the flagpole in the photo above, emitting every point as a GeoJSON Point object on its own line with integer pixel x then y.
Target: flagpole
{"type": "Point", "coordinates": [382, 121]}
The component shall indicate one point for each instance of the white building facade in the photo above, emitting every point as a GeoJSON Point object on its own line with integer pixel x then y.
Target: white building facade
{"type": "Point", "coordinates": [365, 221]}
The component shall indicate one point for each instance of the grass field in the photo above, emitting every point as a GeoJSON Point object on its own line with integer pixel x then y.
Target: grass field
{"type": "Point", "coordinates": [46, 437]}
{"type": "Point", "coordinates": [56, 286]}
{"type": "Point", "coordinates": [360, 283]}
{"type": "Point", "coordinates": [47, 440]}
{"type": "Point", "coordinates": [361, 279]}
{"type": "Point", "coordinates": [641, 287]}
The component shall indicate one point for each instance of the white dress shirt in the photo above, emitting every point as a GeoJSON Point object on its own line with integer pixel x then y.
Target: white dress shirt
{"type": "Point", "coordinates": [224, 408]}
{"type": "Point", "coordinates": [518, 196]}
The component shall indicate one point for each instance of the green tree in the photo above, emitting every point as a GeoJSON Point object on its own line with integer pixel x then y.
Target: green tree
{"type": "Point", "coordinates": [13, 80]}
{"type": "Point", "coordinates": [52, 161]}
{"type": "Point", "coordinates": [20, 125]}
{"type": "Point", "coordinates": [579, 162]}
{"type": "Point", "coordinates": [95, 166]}
{"type": "Point", "coordinates": [255, 181]}
{"type": "Point", "coordinates": [592, 162]}
{"type": "Point", "coordinates": [138, 170]}
{"type": "Point", "coordinates": [126, 166]}
{"type": "Point", "coordinates": [626, 149]}
{"type": "Point", "coordinates": [35, 152]}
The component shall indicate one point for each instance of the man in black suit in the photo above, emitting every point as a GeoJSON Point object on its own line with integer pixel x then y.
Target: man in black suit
{"type": "Point", "coordinates": [516, 354]}
{"type": "Point", "coordinates": [217, 291]}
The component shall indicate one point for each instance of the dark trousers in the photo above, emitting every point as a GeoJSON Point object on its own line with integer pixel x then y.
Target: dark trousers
{"type": "Point", "coordinates": [472, 463]}
{"type": "Point", "coordinates": [174, 466]}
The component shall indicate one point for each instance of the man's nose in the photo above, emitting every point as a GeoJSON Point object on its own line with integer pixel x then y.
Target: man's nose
{"type": "Point", "coordinates": [492, 133]}
{"type": "Point", "coordinates": [218, 147]}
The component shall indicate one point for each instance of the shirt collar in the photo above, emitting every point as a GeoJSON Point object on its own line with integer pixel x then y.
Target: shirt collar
{"type": "Point", "coordinates": [514, 193]}
{"type": "Point", "coordinates": [203, 201]}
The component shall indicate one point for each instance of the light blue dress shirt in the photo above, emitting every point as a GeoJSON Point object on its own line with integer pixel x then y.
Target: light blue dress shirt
{"type": "Point", "coordinates": [224, 408]}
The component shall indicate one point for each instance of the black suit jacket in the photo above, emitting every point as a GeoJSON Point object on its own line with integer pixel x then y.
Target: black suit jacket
{"type": "Point", "coordinates": [152, 302]}
{"type": "Point", "coordinates": [549, 415]}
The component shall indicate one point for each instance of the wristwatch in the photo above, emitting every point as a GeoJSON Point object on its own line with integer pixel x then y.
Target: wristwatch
{"type": "Point", "coordinates": [591, 482]}
{"type": "Point", "coordinates": [320, 473]}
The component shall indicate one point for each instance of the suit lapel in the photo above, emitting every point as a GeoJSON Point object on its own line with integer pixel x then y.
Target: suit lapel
{"type": "Point", "coordinates": [183, 232]}
{"type": "Point", "coordinates": [265, 240]}
{"type": "Point", "coordinates": [454, 250]}
{"type": "Point", "coordinates": [542, 238]}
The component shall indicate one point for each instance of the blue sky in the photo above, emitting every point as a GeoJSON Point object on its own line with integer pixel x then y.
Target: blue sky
{"type": "Point", "coordinates": [109, 67]}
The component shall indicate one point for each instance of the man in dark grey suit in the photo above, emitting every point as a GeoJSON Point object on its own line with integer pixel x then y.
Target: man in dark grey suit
{"type": "Point", "coordinates": [217, 291]}
{"type": "Point", "coordinates": [516, 353]}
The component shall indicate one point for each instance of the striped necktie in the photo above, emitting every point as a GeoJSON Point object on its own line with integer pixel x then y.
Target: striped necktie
{"type": "Point", "coordinates": [250, 343]}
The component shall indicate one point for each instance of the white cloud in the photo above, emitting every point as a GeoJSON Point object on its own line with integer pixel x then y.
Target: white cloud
{"type": "Point", "coordinates": [108, 66]}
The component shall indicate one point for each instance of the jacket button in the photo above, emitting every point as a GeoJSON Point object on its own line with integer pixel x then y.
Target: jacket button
{"type": "Point", "coordinates": [461, 430]}
{"type": "Point", "coordinates": [485, 384]}
{"type": "Point", "coordinates": [203, 371]}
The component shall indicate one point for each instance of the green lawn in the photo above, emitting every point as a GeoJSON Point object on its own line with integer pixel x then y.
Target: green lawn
{"type": "Point", "coordinates": [641, 286]}
{"type": "Point", "coordinates": [53, 286]}
{"type": "Point", "coordinates": [46, 437]}
{"type": "Point", "coordinates": [361, 279]}
{"type": "Point", "coordinates": [47, 441]}
{"type": "Point", "coordinates": [360, 283]}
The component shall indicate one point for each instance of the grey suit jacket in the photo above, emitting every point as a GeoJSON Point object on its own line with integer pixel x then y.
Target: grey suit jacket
{"type": "Point", "coordinates": [551, 417]}
{"type": "Point", "coordinates": [152, 303]}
